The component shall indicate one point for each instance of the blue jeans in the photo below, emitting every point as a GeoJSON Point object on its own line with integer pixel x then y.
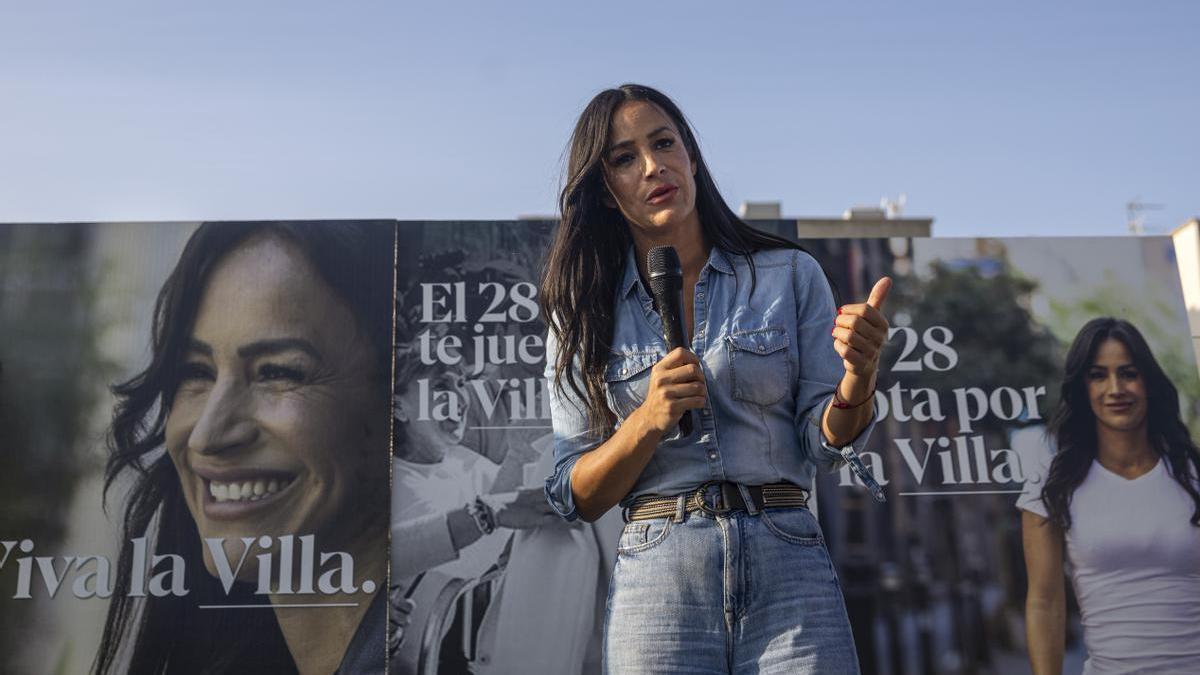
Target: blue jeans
{"type": "Point", "coordinates": [730, 593]}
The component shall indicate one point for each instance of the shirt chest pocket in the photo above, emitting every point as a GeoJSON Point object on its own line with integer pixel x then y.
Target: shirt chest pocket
{"type": "Point", "coordinates": [628, 379]}
{"type": "Point", "coordinates": [759, 365]}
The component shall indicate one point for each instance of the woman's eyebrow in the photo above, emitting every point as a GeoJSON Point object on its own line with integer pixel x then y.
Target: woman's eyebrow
{"type": "Point", "coordinates": [194, 345]}
{"type": "Point", "coordinates": [624, 143]}
{"type": "Point", "coordinates": [277, 345]}
{"type": "Point", "coordinates": [1117, 366]}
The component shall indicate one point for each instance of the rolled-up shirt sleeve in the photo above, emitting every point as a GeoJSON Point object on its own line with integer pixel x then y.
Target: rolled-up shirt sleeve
{"type": "Point", "coordinates": [572, 435]}
{"type": "Point", "coordinates": [820, 365]}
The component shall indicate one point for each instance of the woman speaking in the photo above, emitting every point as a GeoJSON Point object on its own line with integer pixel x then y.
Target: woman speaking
{"type": "Point", "coordinates": [721, 567]}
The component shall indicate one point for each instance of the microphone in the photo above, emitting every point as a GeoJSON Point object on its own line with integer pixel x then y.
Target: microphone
{"type": "Point", "coordinates": [666, 285]}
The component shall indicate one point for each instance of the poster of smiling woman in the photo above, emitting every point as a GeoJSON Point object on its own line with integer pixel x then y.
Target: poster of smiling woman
{"type": "Point", "coordinates": [195, 423]}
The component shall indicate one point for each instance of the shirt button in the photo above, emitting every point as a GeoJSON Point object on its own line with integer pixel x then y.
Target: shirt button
{"type": "Point", "coordinates": [624, 371]}
{"type": "Point", "coordinates": [761, 348]}
{"type": "Point", "coordinates": [712, 455]}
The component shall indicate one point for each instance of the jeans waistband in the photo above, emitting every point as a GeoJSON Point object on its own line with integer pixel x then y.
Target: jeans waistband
{"type": "Point", "coordinates": [718, 497]}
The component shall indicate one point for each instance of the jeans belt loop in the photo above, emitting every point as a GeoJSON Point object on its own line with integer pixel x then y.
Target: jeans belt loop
{"type": "Point", "coordinates": [752, 507]}
{"type": "Point", "coordinates": [730, 495]}
{"type": "Point", "coordinates": [680, 507]}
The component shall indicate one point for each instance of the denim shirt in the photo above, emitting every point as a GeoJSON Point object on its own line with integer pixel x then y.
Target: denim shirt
{"type": "Point", "coordinates": [769, 363]}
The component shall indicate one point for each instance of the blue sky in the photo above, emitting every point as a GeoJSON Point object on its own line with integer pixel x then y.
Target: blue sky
{"type": "Point", "coordinates": [1013, 118]}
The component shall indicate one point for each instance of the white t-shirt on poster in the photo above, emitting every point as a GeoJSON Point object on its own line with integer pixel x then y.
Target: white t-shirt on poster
{"type": "Point", "coordinates": [423, 492]}
{"type": "Point", "coordinates": [1134, 560]}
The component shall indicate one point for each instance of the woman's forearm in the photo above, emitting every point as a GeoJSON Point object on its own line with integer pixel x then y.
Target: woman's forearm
{"type": "Point", "coordinates": [1046, 596]}
{"type": "Point", "coordinates": [429, 540]}
{"type": "Point", "coordinates": [464, 531]}
{"type": "Point", "coordinates": [1045, 633]}
{"type": "Point", "coordinates": [843, 425]}
{"type": "Point", "coordinates": [603, 476]}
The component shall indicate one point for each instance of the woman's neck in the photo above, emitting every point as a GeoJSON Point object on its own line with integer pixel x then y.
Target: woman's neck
{"type": "Point", "coordinates": [689, 243]}
{"type": "Point", "coordinates": [1125, 452]}
{"type": "Point", "coordinates": [317, 637]}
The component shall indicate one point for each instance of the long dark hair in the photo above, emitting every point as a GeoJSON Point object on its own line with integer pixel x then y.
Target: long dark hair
{"type": "Point", "coordinates": [587, 254]}
{"type": "Point", "coordinates": [1073, 424]}
{"type": "Point", "coordinates": [171, 634]}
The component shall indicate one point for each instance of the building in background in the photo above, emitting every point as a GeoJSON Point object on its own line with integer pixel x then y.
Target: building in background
{"type": "Point", "coordinates": [1187, 255]}
{"type": "Point", "coordinates": [858, 222]}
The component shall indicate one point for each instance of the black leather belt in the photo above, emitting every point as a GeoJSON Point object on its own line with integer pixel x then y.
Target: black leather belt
{"type": "Point", "coordinates": [718, 497]}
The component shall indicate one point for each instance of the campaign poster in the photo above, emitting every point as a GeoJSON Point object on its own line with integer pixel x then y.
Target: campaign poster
{"type": "Point", "coordinates": [934, 578]}
{"type": "Point", "coordinates": [195, 426]}
{"type": "Point", "coordinates": [472, 422]}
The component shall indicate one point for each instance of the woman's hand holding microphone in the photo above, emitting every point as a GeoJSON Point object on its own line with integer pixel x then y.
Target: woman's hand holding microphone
{"type": "Point", "coordinates": [676, 386]}
{"type": "Point", "coordinates": [601, 478]}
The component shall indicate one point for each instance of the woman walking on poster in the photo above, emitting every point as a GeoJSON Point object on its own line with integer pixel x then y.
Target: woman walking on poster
{"type": "Point", "coordinates": [721, 567]}
{"type": "Point", "coordinates": [1121, 498]}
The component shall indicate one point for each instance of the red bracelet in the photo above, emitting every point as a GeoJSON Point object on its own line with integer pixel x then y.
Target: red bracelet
{"type": "Point", "coordinates": [843, 405]}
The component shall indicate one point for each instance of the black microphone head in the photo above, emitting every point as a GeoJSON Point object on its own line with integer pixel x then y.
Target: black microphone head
{"type": "Point", "coordinates": [666, 275]}
{"type": "Point", "coordinates": [663, 261]}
